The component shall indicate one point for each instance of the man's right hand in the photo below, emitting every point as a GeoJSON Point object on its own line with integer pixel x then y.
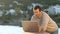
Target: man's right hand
{"type": "Point", "coordinates": [40, 29]}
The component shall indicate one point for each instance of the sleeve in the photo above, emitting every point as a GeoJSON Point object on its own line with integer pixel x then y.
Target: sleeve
{"type": "Point", "coordinates": [45, 21]}
{"type": "Point", "coordinates": [33, 18]}
{"type": "Point", "coordinates": [53, 24]}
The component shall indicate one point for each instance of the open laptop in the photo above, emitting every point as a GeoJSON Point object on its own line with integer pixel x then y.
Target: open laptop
{"type": "Point", "coordinates": [30, 26]}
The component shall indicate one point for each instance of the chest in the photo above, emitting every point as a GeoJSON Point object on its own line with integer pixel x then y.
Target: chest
{"type": "Point", "coordinates": [39, 20]}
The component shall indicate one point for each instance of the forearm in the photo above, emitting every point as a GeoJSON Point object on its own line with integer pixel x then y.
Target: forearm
{"type": "Point", "coordinates": [44, 25]}
{"type": "Point", "coordinates": [44, 28]}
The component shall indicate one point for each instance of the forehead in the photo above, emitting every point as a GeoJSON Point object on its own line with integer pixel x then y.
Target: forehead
{"type": "Point", "coordinates": [36, 10]}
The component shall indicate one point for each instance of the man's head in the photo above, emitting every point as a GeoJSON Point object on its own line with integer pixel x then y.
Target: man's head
{"type": "Point", "coordinates": [37, 10]}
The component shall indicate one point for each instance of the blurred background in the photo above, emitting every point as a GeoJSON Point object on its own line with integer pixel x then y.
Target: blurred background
{"type": "Point", "coordinates": [12, 12]}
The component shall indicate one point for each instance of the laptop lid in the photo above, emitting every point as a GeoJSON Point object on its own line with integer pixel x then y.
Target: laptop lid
{"type": "Point", "coordinates": [30, 26]}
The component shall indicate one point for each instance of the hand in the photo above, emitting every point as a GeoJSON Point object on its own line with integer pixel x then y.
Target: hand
{"type": "Point", "coordinates": [40, 29]}
{"type": "Point", "coordinates": [44, 29]}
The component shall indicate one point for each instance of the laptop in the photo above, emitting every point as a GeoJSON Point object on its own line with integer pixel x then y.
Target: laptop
{"type": "Point", "coordinates": [30, 26]}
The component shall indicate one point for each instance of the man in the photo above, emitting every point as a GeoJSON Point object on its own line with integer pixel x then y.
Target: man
{"type": "Point", "coordinates": [45, 23]}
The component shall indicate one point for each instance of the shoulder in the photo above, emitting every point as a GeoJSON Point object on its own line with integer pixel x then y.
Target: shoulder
{"type": "Point", "coordinates": [33, 16]}
{"type": "Point", "coordinates": [45, 14]}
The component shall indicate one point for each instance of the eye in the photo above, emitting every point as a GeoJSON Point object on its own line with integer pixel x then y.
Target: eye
{"type": "Point", "coordinates": [36, 12]}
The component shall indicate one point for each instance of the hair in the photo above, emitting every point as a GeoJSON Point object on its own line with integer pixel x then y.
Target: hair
{"type": "Point", "coordinates": [37, 7]}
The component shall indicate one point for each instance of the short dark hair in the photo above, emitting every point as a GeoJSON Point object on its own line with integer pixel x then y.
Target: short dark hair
{"type": "Point", "coordinates": [37, 7]}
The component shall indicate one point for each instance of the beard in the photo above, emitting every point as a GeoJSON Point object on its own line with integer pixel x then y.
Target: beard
{"type": "Point", "coordinates": [39, 15]}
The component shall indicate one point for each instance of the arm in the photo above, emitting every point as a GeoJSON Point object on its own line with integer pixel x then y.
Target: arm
{"type": "Point", "coordinates": [52, 25]}
{"type": "Point", "coordinates": [35, 19]}
{"type": "Point", "coordinates": [45, 21]}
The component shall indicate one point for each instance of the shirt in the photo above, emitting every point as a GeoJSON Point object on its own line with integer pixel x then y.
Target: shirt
{"type": "Point", "coordinates": [46, 22]}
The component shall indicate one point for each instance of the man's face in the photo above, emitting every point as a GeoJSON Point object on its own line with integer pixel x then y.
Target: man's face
{"type": "Point", "coordinates": [37, 12]}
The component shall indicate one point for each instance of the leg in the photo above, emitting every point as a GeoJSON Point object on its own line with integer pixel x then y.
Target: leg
{"type": "Point", "coordinates": [56, 32]}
